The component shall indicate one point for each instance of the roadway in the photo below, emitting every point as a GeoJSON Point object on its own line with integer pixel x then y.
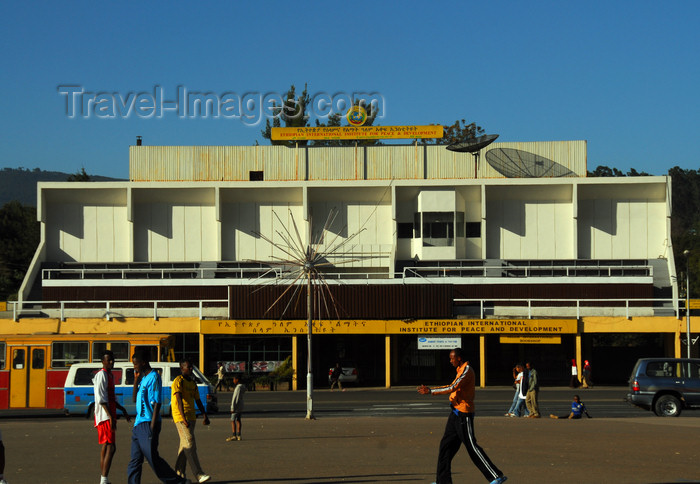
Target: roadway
{"type": "Point", "coordinates": [606, 402]}
{"type": "Point", "coordinates": [376, 436]}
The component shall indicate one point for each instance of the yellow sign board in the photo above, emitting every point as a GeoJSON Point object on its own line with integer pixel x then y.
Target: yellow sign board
{"type": "Point", "coordinates": [694, 303]}
{"type": "Point", "coordinates": [291, 327]}
{"type": "Point", "coordinates": [531, 340]}
{"type": "Point", "coordinates": [420, 326]}
{"type": "Point", "coordinates": [356, 132]}
{"type": "Point", "coordinates": [484, 326]}
{"type": "Point", "coordinates": [3, 305]}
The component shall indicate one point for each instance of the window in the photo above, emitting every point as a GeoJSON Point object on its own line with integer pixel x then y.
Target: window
{"type": "Point", "coordinates": [404, 230]}
{"type": "Point", "coordinates": [438, 229]}
{"type": "Point", "coordinates": [248, 350]}
{"type": "Point", "coordinates": [473, 230]}
{"type": "Point", "coordinates": [151, 350]}
{"type": "Point", "coordinates": [130, 375]}
{"type": "Point", "coordinates": [38, 357]}
{"type": "Point", "coordinates": [3, 349]}
{"type": "Point", "coordinates": [84, 376]}
{"type": "Point", "coordinates": [66, 353]}
{"type": "Point", "coordinates": [691, 370]}
{"type": "Point", "coordinates": [175, 372]}
{"type": "Point", "coordinates": [119, 348]}
{"type": "Point", "coordinates": [18, 359]}
{"type": "Point", "coordinates": [663, 369]}
{"type": "Point", "coordinates": [257, 176]}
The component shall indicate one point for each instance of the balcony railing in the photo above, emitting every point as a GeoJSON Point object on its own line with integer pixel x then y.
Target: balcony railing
{"type": "Point", "coordinates": [441, 271]}
{"type": "Point", "coordinates": [161, 273]}
{"type": "Point", "coordinates": [496, 270]}
{"type": "Point", "coordinates": [115, 309]}
{"type": "Point", "coordinates": [562, 307]}
{"type": "Point", "coordinates": [219, 308]}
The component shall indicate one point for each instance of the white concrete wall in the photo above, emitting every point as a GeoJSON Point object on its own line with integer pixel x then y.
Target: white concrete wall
{"type": "Point", "coordinates": [369, 226]}
{"type": "Point", "coordinates": [529, 229]}
{"type": "Point", "coordinates": [469, 202]}
{"type": "Point", "coordinates": [77, 232]}
{"type": "Point", "coordinates": [242, 222]}
{"type": "Point", "coordinates": [622, 229]}
{"type": "Point", "coordinates": [525, 219]}
{"type": "Point", "coordinates": [171, 232]}
{"type": "Point", "coordinates": [437, 201]}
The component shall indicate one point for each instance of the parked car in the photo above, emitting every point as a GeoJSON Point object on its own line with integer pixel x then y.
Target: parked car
{"type": "Point", "coordinates": [349, 375]}
{"type": "Point", "coordinates": [79, 396]}
{"type": "Point", "coordinates": [665, 385]}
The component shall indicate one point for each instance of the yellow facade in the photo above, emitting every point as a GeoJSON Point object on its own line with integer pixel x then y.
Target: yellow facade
{"type": "Point", "coordinates": [536, 331]}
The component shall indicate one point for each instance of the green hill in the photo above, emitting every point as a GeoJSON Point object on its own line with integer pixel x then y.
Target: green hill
{"type": "Point", "coordinates": [20, 184]}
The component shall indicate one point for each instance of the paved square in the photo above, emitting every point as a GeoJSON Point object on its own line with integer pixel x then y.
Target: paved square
{"type": "Point", "coordinates": [372, 449]}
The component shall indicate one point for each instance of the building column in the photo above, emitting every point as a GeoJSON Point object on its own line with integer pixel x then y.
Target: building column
{"type": "Point", "coordinates": [482, 360]}
{"type": "Point", "coordinates": [295, 380]}
{"type": "Point", "coordinates": [578, 355]}
{"type": "Point", "coordinates": [202, 358]}
{"type": "Point", "coordinates": [387, 360]}
{"type": "Point", "coordinates": [677, 345]}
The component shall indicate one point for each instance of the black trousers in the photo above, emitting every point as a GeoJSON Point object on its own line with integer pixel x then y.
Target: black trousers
{"type": "Point", "coordinates": [460, 430]}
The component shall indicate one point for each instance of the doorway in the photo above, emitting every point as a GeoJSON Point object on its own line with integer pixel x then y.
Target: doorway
{"type": "Point", "coordinates": [28, 377]}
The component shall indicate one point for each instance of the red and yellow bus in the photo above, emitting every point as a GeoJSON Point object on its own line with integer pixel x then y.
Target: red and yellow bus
{"type": "Point", "coordinates": [33, 368]}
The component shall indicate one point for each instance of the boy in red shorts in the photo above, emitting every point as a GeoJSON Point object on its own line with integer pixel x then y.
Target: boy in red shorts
{"type": "Point", "coordinates": [106, 413]}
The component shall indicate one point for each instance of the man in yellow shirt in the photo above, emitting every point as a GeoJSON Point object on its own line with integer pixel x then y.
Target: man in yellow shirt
{"type": "Point", "coordinates": [184, 396]}
{"type": "Point", "coordinates": [460, 424]}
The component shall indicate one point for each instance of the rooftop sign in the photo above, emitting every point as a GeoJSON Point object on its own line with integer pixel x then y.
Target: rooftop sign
{"type": "Point", "coordinates": [356, 132]}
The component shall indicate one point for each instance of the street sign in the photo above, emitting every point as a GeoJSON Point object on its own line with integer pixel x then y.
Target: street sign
{"type": "Point", "coordinates": [439, 343]}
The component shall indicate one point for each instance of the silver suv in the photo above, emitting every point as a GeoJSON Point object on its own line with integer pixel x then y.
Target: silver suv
{"type": "Point", "coordinates": [665, 385]}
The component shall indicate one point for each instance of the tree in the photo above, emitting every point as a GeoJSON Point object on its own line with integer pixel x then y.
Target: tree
{"type": "Point", "coordinates": [294, 114]}
{"type": "Point", "coordinates": [605, 171]}
{"type": "Point", "coordinates": [19, 238]}
{"type": "Point", "coordinates": [335, 119]}
{"type": "Point", "coordinates": [634, 172]}
{"type": "Point", "coordinates": [456, 133]}
{"type": "Point", "coordinates": [685, 225]}
{"type": "Point", "coordinates": [80, 176]}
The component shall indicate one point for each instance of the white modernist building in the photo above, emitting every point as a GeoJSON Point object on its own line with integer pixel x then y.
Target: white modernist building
{"type": "Point", "coordinates": [519, 232]}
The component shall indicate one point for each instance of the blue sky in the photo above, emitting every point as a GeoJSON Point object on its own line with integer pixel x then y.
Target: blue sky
{"type": "Point", "coordinates": [622, 75]}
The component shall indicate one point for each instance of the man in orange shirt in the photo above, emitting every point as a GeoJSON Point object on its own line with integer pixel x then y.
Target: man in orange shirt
{"type": "Point", "coordinates": [460, 424]}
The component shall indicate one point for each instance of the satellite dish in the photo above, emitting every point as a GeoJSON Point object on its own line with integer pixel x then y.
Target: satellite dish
{"type": "Point", "coordinates": [513, 163]}
{"type": "Point", "coordinates": [472, 145]}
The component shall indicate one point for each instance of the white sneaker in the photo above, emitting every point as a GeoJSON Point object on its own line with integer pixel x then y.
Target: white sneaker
{"type": "Point", "coordinates": [204, 478]}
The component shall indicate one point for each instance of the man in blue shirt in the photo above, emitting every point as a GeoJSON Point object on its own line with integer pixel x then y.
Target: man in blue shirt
{"type": "Point", "coordinates": [577, 410]}
{"type": "Point", "coordinates": [148, 389]}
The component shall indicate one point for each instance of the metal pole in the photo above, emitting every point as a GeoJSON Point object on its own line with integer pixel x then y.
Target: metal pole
{"type": "Point", "coordinates": [309, 330]}
{"type": "Point", "coordinates": [687, 300]}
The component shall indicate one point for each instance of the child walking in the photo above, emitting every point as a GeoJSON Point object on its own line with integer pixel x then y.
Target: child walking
{"type": "Point", "coordinates": [236, 409]}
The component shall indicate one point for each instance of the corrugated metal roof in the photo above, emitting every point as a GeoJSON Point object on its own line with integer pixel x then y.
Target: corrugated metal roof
{"type": "Point", "coordinates": [279, 163]}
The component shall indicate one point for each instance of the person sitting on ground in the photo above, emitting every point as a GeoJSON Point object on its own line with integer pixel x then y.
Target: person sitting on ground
{"type": "Point", "coordinates": [577, 410]}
